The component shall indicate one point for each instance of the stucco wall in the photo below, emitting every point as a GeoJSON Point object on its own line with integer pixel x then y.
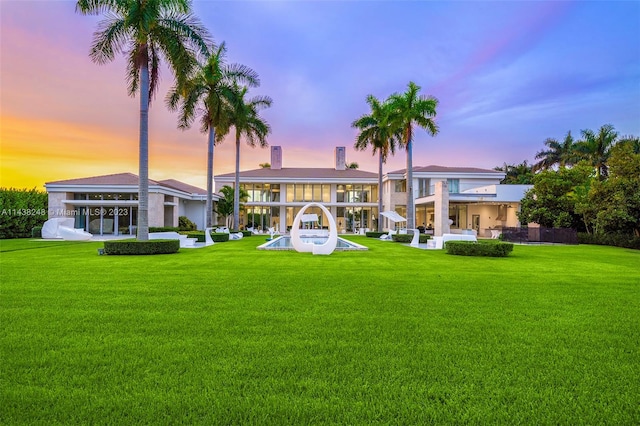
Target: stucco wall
{"type": "Point", "coordinates": [56, 206]}
{"type": "Point", "coordinates": [156, 209]}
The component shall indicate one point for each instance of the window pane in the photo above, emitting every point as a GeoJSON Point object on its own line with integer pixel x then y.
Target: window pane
{"type": "Point", "coordinates": [340, 193]}
{"type": "Point", "coordinates": [290, 188]}
{"type": "Point", "coordinates": [317, 192]}
{"type": "Point", "coordinates": [326, 193]}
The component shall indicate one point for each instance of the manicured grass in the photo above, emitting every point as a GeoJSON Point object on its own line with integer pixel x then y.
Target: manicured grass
{"type": "Point", "coordinates": [232, 335]}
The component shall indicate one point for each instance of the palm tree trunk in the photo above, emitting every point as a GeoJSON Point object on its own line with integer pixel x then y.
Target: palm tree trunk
{"type": "Point", "coordinates": [410, 209]}
{"type": "Point", "coordinates": [209, 203]}
{"type": "Point", "coordinates": [236, 189]}
{"type": "Point", "coordinates": [380, 192]}
{"type": "Point", "coordinates": [143, 184]}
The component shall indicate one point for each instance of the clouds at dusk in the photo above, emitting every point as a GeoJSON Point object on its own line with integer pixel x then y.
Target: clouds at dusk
{"type": "Point", "coordinates": [508, 75]}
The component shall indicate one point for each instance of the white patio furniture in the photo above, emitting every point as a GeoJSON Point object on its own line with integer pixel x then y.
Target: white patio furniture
{"type": "Point", "coordinates": [184, 240]}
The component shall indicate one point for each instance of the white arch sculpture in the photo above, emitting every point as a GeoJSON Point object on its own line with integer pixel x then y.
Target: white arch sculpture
{"type": "Point", "coordinates": [328, 247]}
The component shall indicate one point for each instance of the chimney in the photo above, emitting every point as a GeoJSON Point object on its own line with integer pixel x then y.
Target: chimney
{"type": "Point", "coordinates": [341, 163]}
{"type": "Point", "coordinates": [276, 158]}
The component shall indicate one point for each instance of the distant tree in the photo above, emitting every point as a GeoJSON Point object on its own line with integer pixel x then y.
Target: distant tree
{"type": "Point", "coordinates": [519, 174]}
{"type": "Point", "coordinates": [613, 205]}
{"type": "Point", "coordinates": [265, 165]}
{"type": "Point", "coordinates": [146, 31]}
{"type": "Point", "coordinates": [208, 93]}
{"type": "Point", "coordinates": [225, 205]}
{"type": "Point", "coordinates": [632, 141]}
{"type": "Point", "coordinates": [411, 109]}
{"type": "Point", "coordinates": [558, 153]}
{"type": "Point", "coordinates": [595, 148]}
{"type": "Point", "coordinates": [552, 201]}
{"type": "Point", "coordinates": [353, 165]}
{"type": "Point", "coordinates": [381, 134]}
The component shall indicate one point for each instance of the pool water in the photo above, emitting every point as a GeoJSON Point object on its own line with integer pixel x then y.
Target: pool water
{"type": "Point", "coordinates": [284, 243]}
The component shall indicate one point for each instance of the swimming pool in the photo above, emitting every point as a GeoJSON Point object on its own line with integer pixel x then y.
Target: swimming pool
{"type": "Point", "coordinates": [284, 243]}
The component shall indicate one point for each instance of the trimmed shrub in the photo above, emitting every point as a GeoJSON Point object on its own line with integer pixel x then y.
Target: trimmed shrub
{"type": "Point", "coordinates": [36, 232]}
{"type": "Point", "coordinates": [184, 224]}
{"type": "Point", "coordinates": [372, 234]}
{"type": "Point", "coordinates": [244, 233]}
{"type": "Point", "coordinates": [468, 248]}
{"type": "Point", "coordinates": [135, 247]}
{"type": "Point", "coordinates": [406, 238]}
{"type": "Point", "coordinates": [163, 229]}
{"type": "Point", "coordinates": [199, 235]}
{"type": "Point", "coordinates": [616, 240]}
{"type": "Point", "coordinates": [219, 237]}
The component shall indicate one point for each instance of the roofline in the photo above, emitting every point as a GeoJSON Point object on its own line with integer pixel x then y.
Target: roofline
{"type": "Point", "coordinates": [127, 188]}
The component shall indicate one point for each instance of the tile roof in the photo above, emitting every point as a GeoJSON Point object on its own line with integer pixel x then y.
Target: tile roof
{"type": "Point", "coordinates": [444, 169]}
{"type": "Point", "coordinates": [130, 179]}
{"type": "Point", "coordinates": [303, 173]}
{"type": "Point", "coordinates": [181, 186]}
{"type": "Point", "coordinates": [114, 179]}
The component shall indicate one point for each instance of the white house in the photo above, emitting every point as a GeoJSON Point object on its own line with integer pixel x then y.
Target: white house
{"type": "Point", "coordinates": [108, 205]}
{"type": "Point", "coordinates": [470, 198]}
{"type": "Point", "coordinates": [447, 199]}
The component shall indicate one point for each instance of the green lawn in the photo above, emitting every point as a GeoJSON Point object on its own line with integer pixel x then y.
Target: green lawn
{"type": "Point", "coordinates": [232, 335]}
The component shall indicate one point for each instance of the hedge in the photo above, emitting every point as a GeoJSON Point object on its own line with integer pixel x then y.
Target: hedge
{"type": "Point", "coordinates": [616, 240]}
{"type": "Point", "coordinates": [135, 247]}
{"type": "Point", "coordinates": [406, 238]}
{"type": "Point", "coordinates": [21, 210]}
{"type": "Point", "coordinates": [164, 229]}
{"type": "Point", "coordinates": [468, 248]}
{"type": "Point", "coordinates": [374, 234]}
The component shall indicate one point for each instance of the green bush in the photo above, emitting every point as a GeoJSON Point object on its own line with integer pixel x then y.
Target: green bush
{"type": "Point", "coordinates": [217, 238]}
{"type": "Point", "coordinates": [373, 234]}
{"type": "Point", "coordinates": [468, 248]}
{"type": "Point", "coordinates": [184, 224]}
{"type": "Point", "coordinates": [244, 233]}
{"type": "Point", "coordinates": [36, 232]}
{"type": "Point", "coordinates": [163, 229]}
{"type": "Point", "coordinates": [135, 247]}
{"type": "Point", "coordinates": [220, 237]}
{"type": "Point", "coordinates": [21, 210]}
{"type": "Point", "coordinates": [613, 239]}
{"type": "Point", "coordinates": [199, 235]}
{"type": "Point", "coordinates": [406, 238]}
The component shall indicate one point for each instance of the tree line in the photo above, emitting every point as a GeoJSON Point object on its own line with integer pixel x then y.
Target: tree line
{"type": "Point", "coordinates": [591, 184]}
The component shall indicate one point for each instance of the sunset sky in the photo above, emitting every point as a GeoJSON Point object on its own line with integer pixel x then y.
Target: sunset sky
{"type": "Point", "coordinates": [508, 75]}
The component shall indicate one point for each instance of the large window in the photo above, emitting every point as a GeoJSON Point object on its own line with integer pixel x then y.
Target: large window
{"type": "Point", "coordinates": [348, 193]}
{"type": "Point", "coordinates": [454, 186]}
{"type": "Point", "coordinates": [401, 186]}
{"type": "Point", "coordinates": [308, 192]}
{"type": "Point", "coordinates": [262, 192]}
{"type": "Point", "coordinates": [424, 187]}
{"type": "Point", "coordinates": [458, 214]}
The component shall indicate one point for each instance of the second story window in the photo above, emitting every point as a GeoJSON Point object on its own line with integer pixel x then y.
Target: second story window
{"type": "Point", "coordinates": [454, 186]}
{"type": "Point", "coordinates": [424, 187]}
{"type": "Point", "coordinates": [401, 186]}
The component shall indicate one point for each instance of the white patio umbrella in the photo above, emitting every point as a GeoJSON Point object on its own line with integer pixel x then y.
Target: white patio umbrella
{"type": "Point", "coordinates": [393, 216]}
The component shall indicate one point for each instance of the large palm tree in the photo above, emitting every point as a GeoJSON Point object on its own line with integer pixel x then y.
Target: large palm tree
{"type": "Point", "coordinates": [595, 148]}
{"type": "Point", "coordinates": [378, 131]}
{"type": "Point", "coordinates": [246, 120]}
{"type": "Point", "coordinates": [558, 153]}
{"type": "Point", "coordinates": [146, 31]}
{"type": "Point", "coordinates": [209, 92]}
{"type": "Point", "coordinates": [411, 109]}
